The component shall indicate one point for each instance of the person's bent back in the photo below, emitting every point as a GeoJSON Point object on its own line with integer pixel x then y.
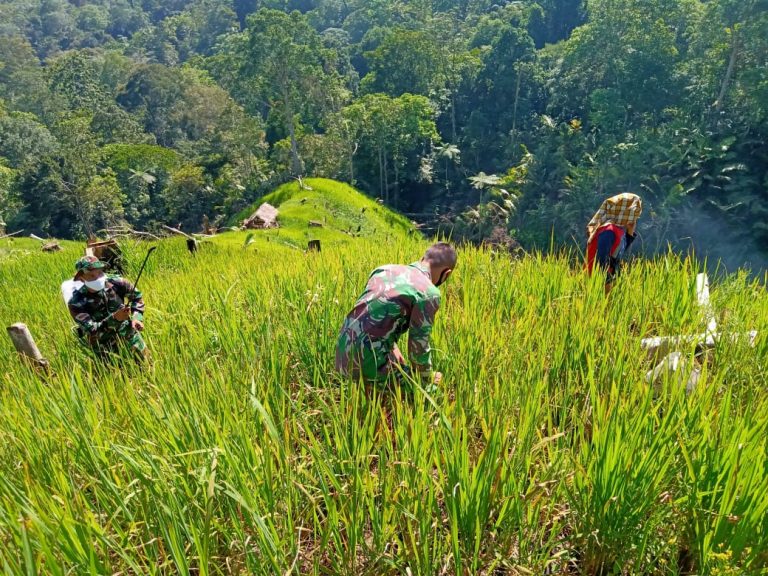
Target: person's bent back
{"type": "Point", "coordinates": [396, 299]}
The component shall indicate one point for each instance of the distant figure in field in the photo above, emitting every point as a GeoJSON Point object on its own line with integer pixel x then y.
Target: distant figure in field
{"type": "Point", "coordinates": [610, 232]}
{"type": "Point", "coordinates": [397, 299]}
{"type": "Point", "coordinates": [104, 321]}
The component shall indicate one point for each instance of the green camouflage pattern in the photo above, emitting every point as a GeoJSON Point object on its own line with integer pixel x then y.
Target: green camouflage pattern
{"type": "Point", "coordinates": [397, 299]}
{"type": "Point", "coordinates": [89, 263]}
{"type": "Point", "coordinates": [92, 312]}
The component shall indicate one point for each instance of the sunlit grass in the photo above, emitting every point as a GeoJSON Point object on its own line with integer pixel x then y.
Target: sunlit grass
{"type": "Point", "coordinates": [237, 451]}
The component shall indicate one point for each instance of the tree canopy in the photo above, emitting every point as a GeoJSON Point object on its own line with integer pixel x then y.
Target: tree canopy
{"type": "Point", "coordinates": [143, 112]}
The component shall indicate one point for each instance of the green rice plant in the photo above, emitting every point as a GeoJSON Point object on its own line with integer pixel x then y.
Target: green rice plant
{"type": "Point", "coordinates": [237, 450]}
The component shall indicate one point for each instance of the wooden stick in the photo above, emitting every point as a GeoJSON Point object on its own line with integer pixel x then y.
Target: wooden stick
{"type": "Point", "coordinates": [25, 344]}
{"type": "Point", "coordinates": [702, 296]}
{"type": "Point", "coordinates": [176, 231]}
{"type": "Point", "coordinates": [663, 345]}
{"type": "Point", "coordinates": [11, 234]}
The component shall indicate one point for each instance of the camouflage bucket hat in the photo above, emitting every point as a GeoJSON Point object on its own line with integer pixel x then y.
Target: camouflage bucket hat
{"type": "Point", "coordinates": [87, 263]}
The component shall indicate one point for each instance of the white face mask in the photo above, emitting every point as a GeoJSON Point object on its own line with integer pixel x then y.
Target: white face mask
{"type": "Point", "coordinates": [98, 285]}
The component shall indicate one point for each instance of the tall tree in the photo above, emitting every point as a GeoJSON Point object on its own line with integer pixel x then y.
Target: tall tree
{"type": "Point", "coordinates": [406, 61]}
{"type": "Point", "coordinates": [502, 99]}
{"type": "Point", "coordinates": [292, 72]}
{"type": "Point", "coordinates": [390, 136]}
{"type": "Point", "coordinates": [151, 93]}
{"type": "Point", "coordinates": [629, 50]}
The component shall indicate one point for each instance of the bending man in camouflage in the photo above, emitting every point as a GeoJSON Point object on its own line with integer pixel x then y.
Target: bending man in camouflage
{"type": "Point", "coordinates": [98, 307]}
{"type": "Point", "coordinates": [397, 299]}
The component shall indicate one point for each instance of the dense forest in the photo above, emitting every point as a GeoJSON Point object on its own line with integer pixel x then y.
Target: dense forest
{"type": "Point", "coordinates": [486, 117]}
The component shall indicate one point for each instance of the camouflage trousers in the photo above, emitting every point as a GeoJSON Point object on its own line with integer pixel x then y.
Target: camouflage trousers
{"type": "Point", "coordinates": [358, 356]}
{"type": "Point", "coordinates": [124, 337]}
{"type": "Point", "coordinates": [374, 364]}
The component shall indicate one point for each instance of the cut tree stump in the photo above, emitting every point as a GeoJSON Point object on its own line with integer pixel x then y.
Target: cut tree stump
{"type": "Point", "coordinates": [109, 252]}
{"type": "Point", "coordinates": [25, 345]}
{"type": "Point", "coordinates": [662, 345]}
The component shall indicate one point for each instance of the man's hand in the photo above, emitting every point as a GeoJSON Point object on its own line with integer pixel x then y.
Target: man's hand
{"type": "Point", "coordinates": [397, 356]}
{"type": "Point", "coordinates": [137, 325]}
{"type": "Point", "coordinates": [123, 314]}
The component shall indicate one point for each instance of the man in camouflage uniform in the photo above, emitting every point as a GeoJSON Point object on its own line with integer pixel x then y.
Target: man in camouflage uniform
{"type": "Point", "coordinates": [104, 321]}
{"type": "Point", "coordinates": [397, 299]}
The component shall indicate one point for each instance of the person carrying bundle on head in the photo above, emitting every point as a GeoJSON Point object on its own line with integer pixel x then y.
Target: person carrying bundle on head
{"type": "Point", "coordinates": [397, 299]}
{"type": "Point", "coordinates": [610, 232]}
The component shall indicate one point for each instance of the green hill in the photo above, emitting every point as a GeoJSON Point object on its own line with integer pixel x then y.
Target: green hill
{"type": "Point", "coordinates": [342, 211]}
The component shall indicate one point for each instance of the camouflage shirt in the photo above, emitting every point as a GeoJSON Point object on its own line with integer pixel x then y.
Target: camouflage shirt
{"type": "Point", "coordinates": [397, 299]}
{"type": "Point", "coordinates": [91, 310]}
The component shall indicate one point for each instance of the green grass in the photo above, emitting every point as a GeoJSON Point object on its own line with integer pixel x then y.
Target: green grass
{"type": "Point", "coordinates": [343, 211]}
{"type": "Point", "coordinates": [238, 452]}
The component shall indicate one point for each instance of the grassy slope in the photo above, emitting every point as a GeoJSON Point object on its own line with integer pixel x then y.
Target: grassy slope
{"type": "Point", "coordinates": [238, 451]}
{"type": "Point", "coordinates": [348, 216]}
{"type": "Point", "coordinates": [343, 211]}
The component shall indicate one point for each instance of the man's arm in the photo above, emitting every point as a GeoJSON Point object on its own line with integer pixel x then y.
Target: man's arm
{"type": "Point", "coordinates": [419, 333]}
{"type": "Point", "coordinates": [125, 289]}
{"type": "Point", "coordinates": [84, 320]}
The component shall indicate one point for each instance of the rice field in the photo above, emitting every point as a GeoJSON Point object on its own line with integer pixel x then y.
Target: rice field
{"type": "Point", "coordinates": [237, 450]}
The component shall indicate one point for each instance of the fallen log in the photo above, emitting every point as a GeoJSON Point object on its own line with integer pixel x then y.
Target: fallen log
{"type": "Point", "coordinates": [177, 231]}
{"type": "Point", "coordinates": [128, 232]}
{"type": "Point", "coordinates": [51, 247]}
{"type": "Point", "coordinates": [664, 345]}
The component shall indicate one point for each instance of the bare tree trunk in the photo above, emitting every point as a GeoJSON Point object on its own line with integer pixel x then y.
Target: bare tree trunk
{"type": "Point", "coordinates": [352, 165]}
{"type": "Point", "coordinates": [735, 45]}
{"type": "Point", "coordinates": [453, 117]}
{"type": "Point", "coordinates": [381, 175]}
{"type": "Point", "coordinates": [297, 166]}
{"type": "Point", "coordinates": [397, 185]}
{"type": "Point", "coordinates": [514, 108]}
{"type": "Point", "coordinates": [386, 179]}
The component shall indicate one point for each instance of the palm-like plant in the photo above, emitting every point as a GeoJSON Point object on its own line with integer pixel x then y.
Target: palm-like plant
{"type": "Point", "coordinates": [449, 153]}
{"type": "Point", "coordinates": [481, 181]}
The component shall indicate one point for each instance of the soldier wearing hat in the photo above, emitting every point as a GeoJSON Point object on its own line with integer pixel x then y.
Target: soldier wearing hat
{"type": "Point", "coordinates": [103, 319]}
